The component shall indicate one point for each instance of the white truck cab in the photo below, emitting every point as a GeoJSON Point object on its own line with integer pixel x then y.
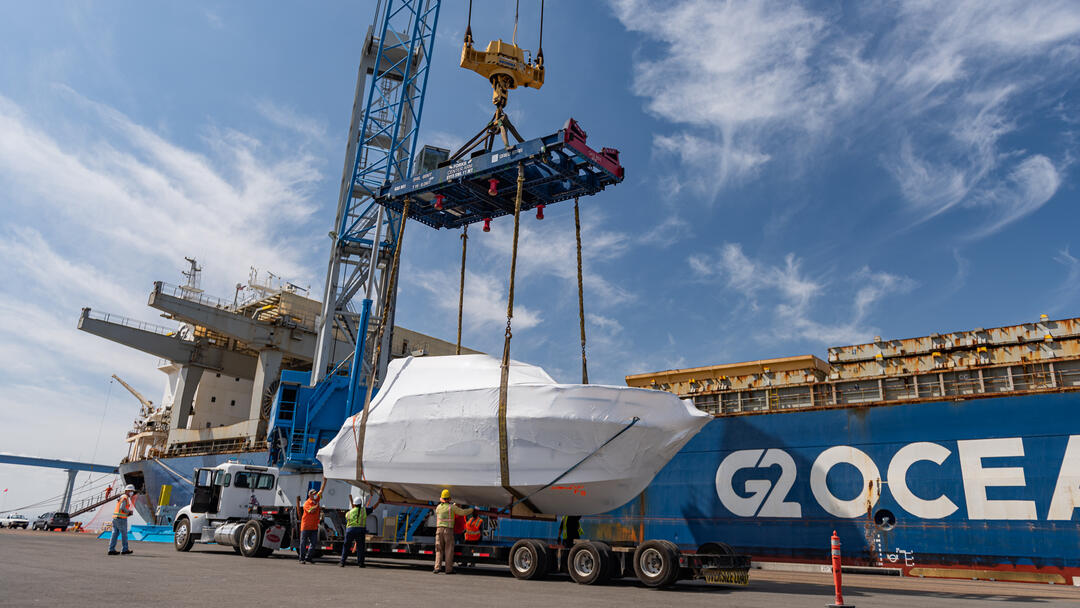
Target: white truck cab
{"type": "Point", "coordinates": [249, 508]}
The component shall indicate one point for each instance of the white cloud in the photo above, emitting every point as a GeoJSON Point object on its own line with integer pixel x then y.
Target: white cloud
{"type": "Point", "coordinates": [139, 197]}
{"type": "Point", "coordinates": [98, 206]}
{"type": "Point", "coordinates": [549, 249]}
{"type": "Point", "coordinates": [1031, 183]}
{"type": "Point", "coordinates": [766, 84]}
{"type": "Point", "coordinates": [288, 118]}
{"type": "Point", "coordinates": [792, 294]}
{"type": "Point", "coordinates": [1067, 295]}
{"type": "Point", "coordinates": [485, 298]}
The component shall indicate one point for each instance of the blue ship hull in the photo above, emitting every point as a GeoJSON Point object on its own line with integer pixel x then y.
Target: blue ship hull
{"type": "Point", "coordinates": [987, 484]}
{"type": "Point", "coordinates": [979, 485]}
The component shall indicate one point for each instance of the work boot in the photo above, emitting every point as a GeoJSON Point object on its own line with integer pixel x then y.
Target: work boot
{"type": "Point", "coordinates": [342, 564]}
{"type": "Point", "coordinates": [128, 552]}
{"type": "Point", "coordinates": [114, 553]}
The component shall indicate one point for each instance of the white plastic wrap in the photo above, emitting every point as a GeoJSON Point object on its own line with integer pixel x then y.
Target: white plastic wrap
{"type": "Point", "coordinates": [435, 425]}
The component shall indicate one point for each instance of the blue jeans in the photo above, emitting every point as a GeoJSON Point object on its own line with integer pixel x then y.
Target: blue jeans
{"type": "Point", "coordinates": [119, 529]}
{"type": "Point", "coordinates": [308, 540]}
{"type": "Point", "coordinates": [354, 535]}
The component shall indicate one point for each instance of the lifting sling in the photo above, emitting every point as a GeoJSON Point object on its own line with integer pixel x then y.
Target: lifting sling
{"type": "Point", "coordinates": [358, 433]}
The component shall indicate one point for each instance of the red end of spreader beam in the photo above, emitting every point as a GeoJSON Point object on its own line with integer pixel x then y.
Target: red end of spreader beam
{"type": "Point", "coordinates": [608, 158]}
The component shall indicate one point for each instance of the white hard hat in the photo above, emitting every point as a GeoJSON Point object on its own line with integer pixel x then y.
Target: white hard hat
{"type": "Point", "coordinates": [129, 488]}
{"type": "Point", "coordinates": [358, 501]}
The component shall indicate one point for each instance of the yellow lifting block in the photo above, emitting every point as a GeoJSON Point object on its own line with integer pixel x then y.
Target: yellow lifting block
{"type": "Point", "coordinates": [504, 65]}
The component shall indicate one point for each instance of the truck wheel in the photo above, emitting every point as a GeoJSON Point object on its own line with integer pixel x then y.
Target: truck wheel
{"type": "Point", "coordinates": [589, 563]}
{"type": "Point", "coordinates": [182, 538]}
{"type": "Point", "coordinates": [656, 564]}
{"type": "Point", "coordinates": [251, 538]}
{"type": "Point", "coordinates": [527, 562]}
{"type": "Point", "coordinates": [545, 558]}
{"type": "Point", "coordinates": [716, 549]}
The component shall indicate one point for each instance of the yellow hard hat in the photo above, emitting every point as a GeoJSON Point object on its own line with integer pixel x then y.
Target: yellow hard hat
{"type": "Point", "coordinates": [445, 495]}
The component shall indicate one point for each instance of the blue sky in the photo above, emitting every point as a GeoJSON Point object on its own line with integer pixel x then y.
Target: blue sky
{"type": "Point", "coordinates": [799, 175]}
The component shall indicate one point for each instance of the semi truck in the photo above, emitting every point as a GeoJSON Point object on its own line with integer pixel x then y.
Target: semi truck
{"type": "Point", "coordinates": [252, 509]}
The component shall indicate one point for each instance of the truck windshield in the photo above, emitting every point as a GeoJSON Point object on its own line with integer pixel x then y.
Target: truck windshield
{"type": "Point", "coordinates": [254, 481]}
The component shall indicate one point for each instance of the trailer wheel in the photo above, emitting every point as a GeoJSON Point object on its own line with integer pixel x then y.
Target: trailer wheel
{"type": "Point", "coordinates": [251, 538]}
{"type": "Point", "coordinates": [526, 561]}
{"type": "Point", "coordinates": [716, 549]}
{"type": "Point", "coordinates": [656, 564]}
{"type": "Point", "coordinates": [545, 558]}
{"type": "Point", "coordinates": [589, 563]}
{"type": "Point", "coordinates": [182, 538]}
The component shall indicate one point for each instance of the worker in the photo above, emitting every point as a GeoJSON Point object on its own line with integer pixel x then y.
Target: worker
{"type": "Point", "coordinates": [356, 531]}
{"type": "Point", "coordinates": [570, 530]}
{"type": "Point", "coordinates": [125, 506]}
{"type": "Point", "coordinates": [459, 529]}
{"type": "Point", "coordinates": [445, 512]}
{"type": "Point", "coordinates": [472, 529]}
{"type": "Point", "coordinates": [310, 517]}
{"type": "Point", "coordinates": [108, 492]}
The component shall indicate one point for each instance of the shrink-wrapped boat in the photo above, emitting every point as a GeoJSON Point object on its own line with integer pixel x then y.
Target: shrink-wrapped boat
{"type": "Point", "coordinates": [572, 449]}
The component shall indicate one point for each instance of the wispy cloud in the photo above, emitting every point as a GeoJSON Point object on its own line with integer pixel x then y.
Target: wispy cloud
{"type": "Point", "coordinates": [140, 196]}
{"type": "Point", "coordinates": [94, 219]}
{"type": "Point", "coordinates": [485, 298]}
{"type": "Point", "coordinates": [937, 85]}
{"type": "Point", "coordinates": [791, 294]}
{"type": "Point", "coordinates": [288, 118]}
{"type": "Point", "coordinates": [1067, 295]}
{"type": "Point", "coordinates": [547, 249]}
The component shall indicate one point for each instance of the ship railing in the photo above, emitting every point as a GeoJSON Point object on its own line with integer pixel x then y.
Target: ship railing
{"type": "Point", "coordinates": [129, 322]}
{"type": "Point", "coordinates": [185, 293]}
{"type": "Point", "coordinates": [945, 384]}
{"type": "Point", "coordinates": [215, 446]}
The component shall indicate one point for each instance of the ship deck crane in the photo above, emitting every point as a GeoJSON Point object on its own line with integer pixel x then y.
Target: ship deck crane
{"type": "Point", "coordinates": [147, 405]}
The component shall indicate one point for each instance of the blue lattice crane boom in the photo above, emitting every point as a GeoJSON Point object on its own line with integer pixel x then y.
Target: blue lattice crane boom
{"type": "Point", "coordinates": [387, 107]}
{"type": "Point", "coordinates": [382, 140]}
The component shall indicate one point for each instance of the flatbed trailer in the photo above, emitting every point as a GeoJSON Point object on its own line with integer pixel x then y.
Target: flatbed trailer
{"type": "Point", "coordinates": [656, 563]}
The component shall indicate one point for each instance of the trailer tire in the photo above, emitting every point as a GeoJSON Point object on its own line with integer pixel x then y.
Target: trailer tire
{"type": "Point", "coordinates": [545, 558]}
{"type": "Point", "coordinates": [182, 537]}
{"type": "Point", "coordinates": [656, 563]}
{"type": "Point", "coordinates": [527, 560]}
{"type": "Point", "coordinates": [589, 563]}
{"type": "Point", "coordinates": [251, 538]}
{"type": "Point", "coordinates": [716, 549]}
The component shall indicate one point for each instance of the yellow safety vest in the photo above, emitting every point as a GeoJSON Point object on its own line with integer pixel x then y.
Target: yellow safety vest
{"type": "Point", "coordinates": [445, 512]}
{"type": "Point", "coordinates": [124, 507]}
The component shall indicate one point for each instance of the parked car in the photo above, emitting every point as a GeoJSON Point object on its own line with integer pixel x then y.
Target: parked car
{"type": "Point", "coordinates": [51, 521]}
{"type": "Point", "coordinates": [14, 520]}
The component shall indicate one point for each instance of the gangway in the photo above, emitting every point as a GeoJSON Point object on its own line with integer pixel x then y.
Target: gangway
{"type": "Point", "coordinates": [89, 504]}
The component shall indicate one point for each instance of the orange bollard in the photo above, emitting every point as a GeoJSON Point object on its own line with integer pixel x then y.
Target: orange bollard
{"type": "Point", "coordinates": [836, 574]}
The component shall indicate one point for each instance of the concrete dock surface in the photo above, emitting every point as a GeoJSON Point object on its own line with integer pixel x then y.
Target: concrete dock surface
{"type": "Point", "coordinates": [72, 569]}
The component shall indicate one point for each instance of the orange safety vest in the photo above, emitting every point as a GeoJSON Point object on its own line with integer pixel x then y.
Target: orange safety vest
{"type": "Point", "coordinates": [124, 507]}
{"type": "Point", "coordinates": [472, 528]}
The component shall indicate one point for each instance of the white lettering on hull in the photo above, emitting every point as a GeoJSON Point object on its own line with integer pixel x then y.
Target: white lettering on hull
{"type": "Point", "coordinates": [898, 486]}
{"type": "Point", "coordinates": [763, 498]}
{"type": "Point", "coordinates": [978, 477]}
{"type": "Point", "coordinates": [1067, 490]}
{"type": "Point", "coordinates": [871, 481]}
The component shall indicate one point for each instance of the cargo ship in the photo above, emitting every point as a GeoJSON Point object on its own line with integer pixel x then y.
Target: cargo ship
{"type": "Point", "coordinates": [951, 455]}
{"type": "Point", "coordinates": [948, 455]}
{"type": "Point", "coordinates": [222, 360]}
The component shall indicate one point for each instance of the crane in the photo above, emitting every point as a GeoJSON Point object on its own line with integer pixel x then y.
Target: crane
{"type": "Point", "coordinates": [147, 405]}
{"type": "Point", "coordinates": [387, 107]}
